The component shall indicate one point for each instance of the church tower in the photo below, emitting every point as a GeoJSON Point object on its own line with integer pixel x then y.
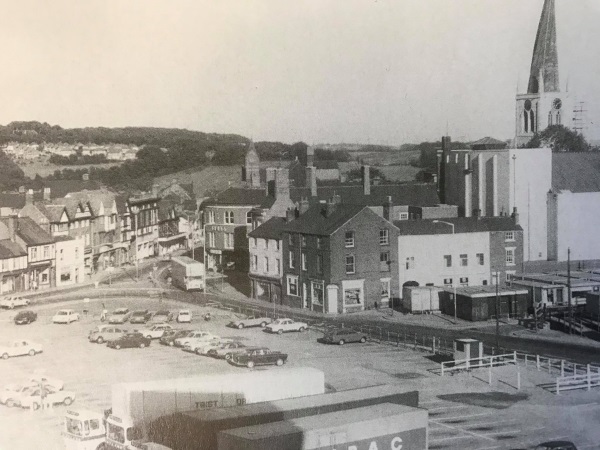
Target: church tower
{"type": "Point", "coordinates": [543, 104]}
{"type": "Point", "coordinates": [251, 169]}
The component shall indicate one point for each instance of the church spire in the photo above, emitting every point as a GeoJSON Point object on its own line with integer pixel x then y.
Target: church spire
{"type": "Point", "coordinates": [544, 64]}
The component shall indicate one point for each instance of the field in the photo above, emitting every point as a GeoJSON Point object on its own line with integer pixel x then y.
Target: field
{"type": "Point", "coordinates": [43, 168]}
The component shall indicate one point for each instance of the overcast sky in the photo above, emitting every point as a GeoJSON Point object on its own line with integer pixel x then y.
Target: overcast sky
{"type": "Point", "coordinates": [386, 72]}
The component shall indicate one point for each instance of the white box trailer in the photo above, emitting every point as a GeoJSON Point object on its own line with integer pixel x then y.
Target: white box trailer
{"type": "Point", "coordinates": [421, 299]}
{"type": "Point", "coordinates": [187, 273]}
{"type": "Point", "coordinates": [136, 405]}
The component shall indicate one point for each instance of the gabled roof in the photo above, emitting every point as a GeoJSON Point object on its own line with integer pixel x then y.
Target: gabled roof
{"type": "Point", "coordinates": [271, 229]}
{"type": "Point", "coordinates": [488, 143]}
{"type": "Point", "coordinates": [30, 232]}
{"type": "Point", "coordinates": [239, 196]}
{"type": "Point", "coordinates": [313, 221]}
{"type": "Point", "coordinates": [461, 225]}
{"type": "Point", "coordinates": [52, 211]}
{"type": "Point", "coordinates": [60, 188]}
{"type": "Point", "coordinates": [10, 249]}
{"type": "Point", "coordinates": [576, 172]}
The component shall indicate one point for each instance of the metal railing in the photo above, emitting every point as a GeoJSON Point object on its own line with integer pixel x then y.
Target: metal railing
{"type": "Point", "coordinates": [478, 363]}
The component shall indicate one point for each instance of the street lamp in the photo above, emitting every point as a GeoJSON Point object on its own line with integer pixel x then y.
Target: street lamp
{"type": "Point", "coordinates": [135, 210]}
{"type": "Point", "coordinates": [453, 281]}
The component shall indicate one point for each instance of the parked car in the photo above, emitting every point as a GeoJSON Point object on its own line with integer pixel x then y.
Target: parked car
{"type": "Point", "coordinates": [168, 337]}
{"type": "Point", "coordinates": [227, 350]}
{"type": "Point", "coordinates": [119, 315]}
{"type": "Point", "coordinates": [106, 333]}
{"type": "Point", "coordinates": [32, 397]}
{"type": "Point", "coordinates": [284, 325]}
{"type": "Point", "coordinates": [162, 316]}
{"type": "Point", "coordinates": [184, 316]}
{"type": "Point", "coordinates": [258, 357]}
{"type": "Point", "coordinates": [251, 321]}
{"type": "Point", "coordinates": [130, 340]}
{"type": "Point", "coordinates": [13, 302]}
{"type": "Point", "coordinates": [202, 348]}
{"type": "Point", "coordinates": [194, 335]}
{"type": "Point", "coordinates": [140, 316]}
{"type": "Point", "coordinates": [556, 445]}
{"type": "Point", "coordinates": [149, 445]}
{"type": "Point", "coordinates": [19, 348]}
{"type": "Point", "coordinates": [11, 393]}
{"type": "Point", "coordinates": [65, 316]}
{"type": "Point", "coordinates": [342, 336]}
{"type": "Point", "coordinates": [25, 317]}
{"type": "Point", "coordinates": [155, 331]}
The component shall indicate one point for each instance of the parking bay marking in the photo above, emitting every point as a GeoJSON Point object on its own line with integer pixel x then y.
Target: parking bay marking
{"type": "Point", "coordinates": [482, 436]}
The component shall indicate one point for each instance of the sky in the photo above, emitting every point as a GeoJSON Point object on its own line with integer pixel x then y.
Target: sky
{"type": "Point", "coordinates": [319, 71]}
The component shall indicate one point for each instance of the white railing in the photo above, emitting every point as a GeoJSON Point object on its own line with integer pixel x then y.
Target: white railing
{"type": "Point", "coordinates": [478, 363]}
{"type": "Point", "coordinates": [587, 380]}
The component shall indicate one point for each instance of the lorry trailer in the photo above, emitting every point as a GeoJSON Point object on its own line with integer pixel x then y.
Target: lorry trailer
{"type": "Point", "coordinates": [377, 427]}
{"type": "Point", "coordinates": [187, 273]}
{"type": "Point", "coordinates": [136, 405]}
{"type": "Point", "coordinates": [198, 430]}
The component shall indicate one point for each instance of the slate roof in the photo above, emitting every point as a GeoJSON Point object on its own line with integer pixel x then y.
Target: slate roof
{"type": "Point", "coordinates": [576, 172]}
{"type": "Point", "coordinates": [237, 196]}
{"type": "Point", "coordinates": [313, 221]}
{"type": "Point", "coordinates": [488, 143]}
{"type": "Point", "coordinates": [271, 229]}
{"type": "Point", "coordinates": [12, 200]}
{"type": "Point", "coordinates": [461, 225]}
{"type": "Point", "coordinates": [30, 231]}
{"type": "Point", "coordinates": [60, 188]}
{"type": "Point", "coordinates": [10, 249]}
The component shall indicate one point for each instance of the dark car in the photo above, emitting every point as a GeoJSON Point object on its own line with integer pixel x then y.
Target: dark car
{"type": "Point", "coordinates": [162, 316]}
{"type": "Point", "coordinates": [556, 445]}
{"type": "Point", "coordinates": [168, 337]}
{"type": "Point", "coordinates": [130, 340]}
{"type": "Point", "coordinates": [258, 357]}
{"type": "Point", "coordinates": [140, 316]}
{"type": "Point", "coordinates": [25, 317]}
{"type": "Point", "coordinates": [342, 336]}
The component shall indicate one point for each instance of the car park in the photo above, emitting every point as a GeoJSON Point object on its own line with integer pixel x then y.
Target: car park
{"type": "Point", "coordinates": [65, 316]}
{"type": "Point", "coordinates": [184, 316]}
{"type": "Point", "coordinates": [161, 316]}
{"type": "Point", "coordinates": [25, 317]}
{"type": "Point", "coordinates": [258, 357]}
{"type": "Point", "coordinates": [155, 331]}
{"type": "Point", "coordinates": [342, 336]}
{"type": "Point", "coordinates": [196, 335]}
{"type": "Point", "coordinates": [119, 315]}
{"type": "Point", "coordinates": [130, 340]}
{"type": "Point", "coordinates": [13, 302]}
{"type": "Point", "coordinates": [285, 325]}
{"type": "Point", "coordinates": [140, 316]}
{"type": "Point", "coordinates": [106, 333]}
{"type": "Point", "coordinates": [20, 348]}
{"type": "Point", "coordinates": [251, 321]}
{"type": "Point", "coordinates": [168, 337]}
{"type": "Point", "coordinates": [227, 350]}
{"type": "Point", "coordinates": [32, 397]}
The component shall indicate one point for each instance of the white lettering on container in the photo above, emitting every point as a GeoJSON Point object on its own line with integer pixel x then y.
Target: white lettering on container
{"type": "Point", "coordinates": [396, 443]}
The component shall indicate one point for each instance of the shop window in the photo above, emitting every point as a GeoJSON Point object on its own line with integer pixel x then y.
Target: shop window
{"type": "Point", "coordinates": [352, 297]}
{"type": "Point", "coordinates": [317, 293]}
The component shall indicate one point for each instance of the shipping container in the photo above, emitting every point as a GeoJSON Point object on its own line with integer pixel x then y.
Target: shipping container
{"type": "Point", "coordinates": [135, 405]}
{"type": "Point", "coordinates": [383, 426]}
{"type": "Point", "coordinates": [197, 430]}
{"type": "Point", "coordinates": [421, 299]}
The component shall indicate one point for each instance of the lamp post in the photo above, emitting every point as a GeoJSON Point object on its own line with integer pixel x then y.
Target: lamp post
{"type": "Point", "coordinates": [453, 281]}
{"type": "Point", "coordinates": [497, 315]}
{"type": "Point", "coordinates": [135, 210]}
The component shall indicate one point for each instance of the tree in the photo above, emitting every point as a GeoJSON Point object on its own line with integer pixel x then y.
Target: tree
{"type": "Point", "coordinates": [560, 139]}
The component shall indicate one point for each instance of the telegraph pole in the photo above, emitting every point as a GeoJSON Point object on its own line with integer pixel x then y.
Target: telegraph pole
{"type": "Point", "coordinates": [497, 316]}
{"type": "Point", "coordinates": [569, 290]}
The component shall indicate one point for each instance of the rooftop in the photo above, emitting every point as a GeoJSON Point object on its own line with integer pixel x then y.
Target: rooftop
{"type": "Point", "coordinates": [461, 225]}
{"type": "Point", "coordinates": [10, 249]}
{"type": "Point", "coordinates": [576, 172]}
{"type": "Point", "coordinates": [313, 221]}
{"type": "Point", "coordinates": [271, 229]}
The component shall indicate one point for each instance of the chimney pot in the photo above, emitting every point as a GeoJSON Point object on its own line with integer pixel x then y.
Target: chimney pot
{"type": "Point", "coordinates": [366, 179]}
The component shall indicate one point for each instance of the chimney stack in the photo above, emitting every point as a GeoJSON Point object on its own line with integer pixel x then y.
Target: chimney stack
{"type": "Point", "coordinates": [46, 193]}
{"type": "Point", "coordinates": [388, 209]}
{"type": "Point", "coordinates": [12, 227]}
{"type": "Point", "coordinates": [303, 206]}
{"type": "Point", "coordinates": [330, 206]}
{"type": "Point", "coordinates": [310, 156]}
{"type": "Point", "coordinates": [270, 174]}
{"type": "Point", "coordinates": [29, 196]}
{"type": "Point", "coordinates": [515, 216]}
{"type": "Point", "coordinates": [290, 214]}
{"type": "Point", "coordinates": [282, 183]}
{"type": "Point", "coordinates": [366, 179]}
{"type": "Point", "coordinates": [311, 180]}
{"type": "Point", "coordinates": [442, 160]}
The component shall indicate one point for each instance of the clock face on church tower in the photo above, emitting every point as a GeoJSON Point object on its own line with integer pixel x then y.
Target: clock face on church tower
{"type": "Point", "coordinates": [557, 103]}
{"type": "Point", "coordinates": [527, 105]}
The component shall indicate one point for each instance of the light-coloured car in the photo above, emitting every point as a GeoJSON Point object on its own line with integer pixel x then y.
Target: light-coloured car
{"type": "Point", "coordinates": [119, 315]}
{"type": "Point", "coordinates": [284, 325]}
{"type": "Point", "coordinates": [184, 316]}
{"type": "Point", "coordinates": [155, 331]}
{"type": "Point", "coordinates": [227, 350]}
{"type": "Point", "coordinates": [65, 316]}
{"type": "Point", "coordinates": [251, 321]}
{"type": "Point", "coordinates": [19, 348]}
{"type": "Point", "coordinates": [10, 395]}
{"type": "Point", "coordinates": [196, 337]}
{"type": "Point", "coordinates": [13, 302]}
{"type": "Point", "coordinates": [32, 397]}
{"type": "Point", "coordinates": [106, 333]}
{"type": "Point", "coordinates": [202, 348]}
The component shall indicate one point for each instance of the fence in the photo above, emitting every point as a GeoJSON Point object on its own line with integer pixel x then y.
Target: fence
{"type": "Point", "coordinates": [587, 380]}
{"type": "Point", "coordinates": [477, 363]}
